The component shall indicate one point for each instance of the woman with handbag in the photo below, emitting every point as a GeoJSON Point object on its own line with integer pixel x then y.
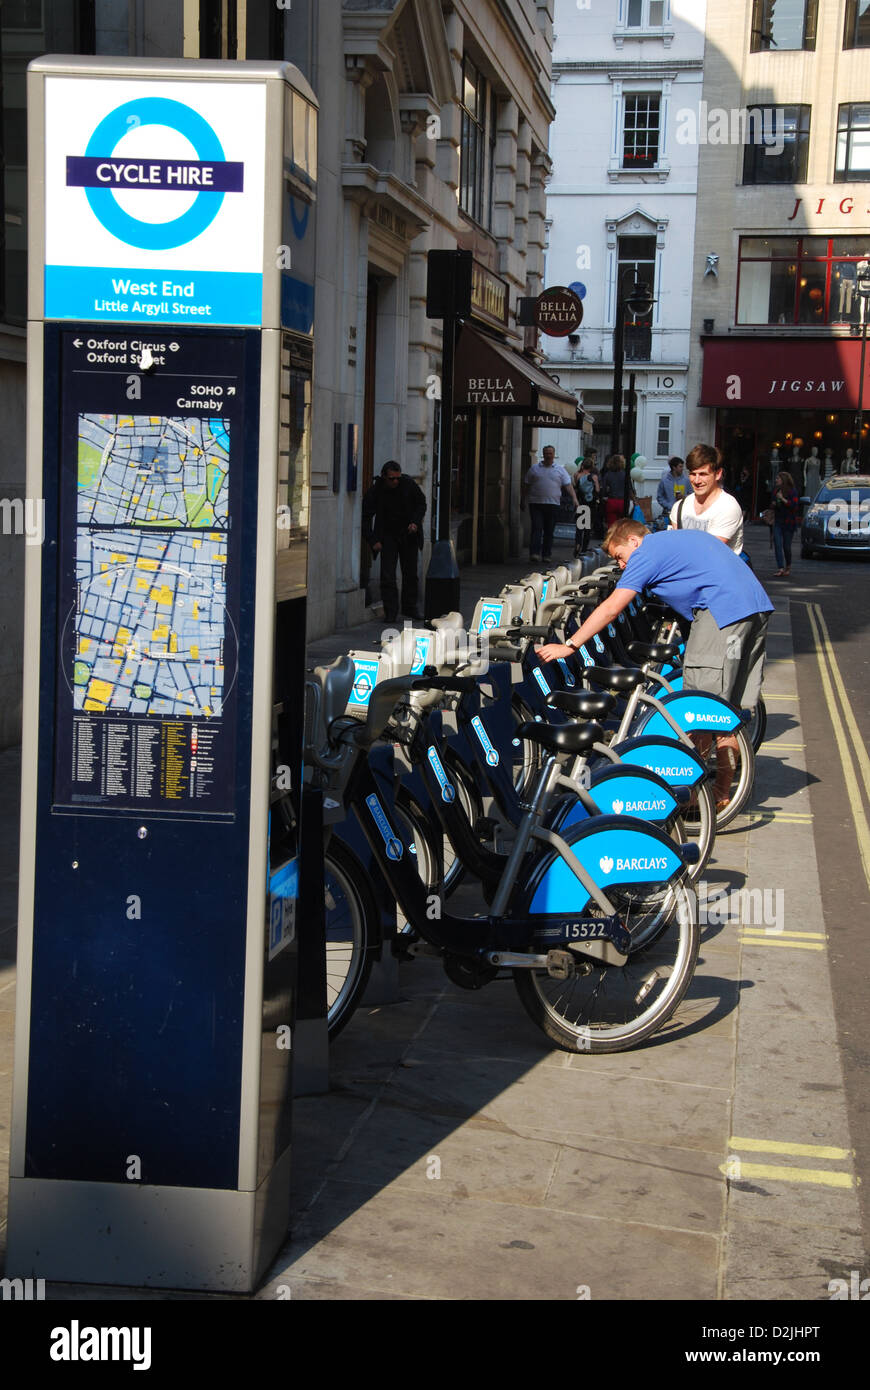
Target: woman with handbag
{"type": "Point", "coordinates": [786, 516]}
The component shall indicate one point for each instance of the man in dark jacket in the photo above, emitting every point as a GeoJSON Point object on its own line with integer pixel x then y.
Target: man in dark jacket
{"type": "Point", "coordinates": [393, 511]}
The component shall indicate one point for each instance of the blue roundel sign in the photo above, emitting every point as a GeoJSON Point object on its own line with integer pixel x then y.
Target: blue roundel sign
{"type": "Point", "coordinates": [579, 288]}
{"type": "Point", "coordinates": [157, 111]}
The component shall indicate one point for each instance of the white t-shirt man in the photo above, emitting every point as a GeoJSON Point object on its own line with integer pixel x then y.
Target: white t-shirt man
{"type": "Point", "coordinates": [545, 483]}
{"type": "Point", "coordinates": [723, 517]}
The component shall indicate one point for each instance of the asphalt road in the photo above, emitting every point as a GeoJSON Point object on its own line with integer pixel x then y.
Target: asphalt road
{"type": "Point", "coordinates": [830, 611]}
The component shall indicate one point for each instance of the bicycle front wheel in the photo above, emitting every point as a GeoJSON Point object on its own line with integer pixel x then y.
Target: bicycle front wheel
{"type": "Point", "coordinates": [526, 755]}
{"type": "Point", "coordinates": [700, 823]}
{"type": "Point", "coordinates": [742, 762]}
{"type": "Point", "coordinates": [351, 926]}
{"type": "Point", "coordinates": [607, 1008]}
{"type": "Point", "coordinates": [758, 724]}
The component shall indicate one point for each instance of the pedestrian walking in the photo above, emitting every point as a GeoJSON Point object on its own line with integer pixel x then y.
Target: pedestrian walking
{"type": "Point", "coordinates": [543, 486]}
{"type": "Point", "coordinates": [743, 490]}
{"type": "Point", "coordinates": [393, 511]}
{"type": "Point", "coordinates": [710, 587]}
{"type": "Point", "coordinates": [588, 488]}
{"type": "Point", "coordinates": [786, 508]}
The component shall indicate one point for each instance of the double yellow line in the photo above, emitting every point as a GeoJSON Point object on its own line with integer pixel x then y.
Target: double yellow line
{"type": "Point", "coordinates": [850, 745]}
{"type": "Point", "coordinates": [736, 1168]}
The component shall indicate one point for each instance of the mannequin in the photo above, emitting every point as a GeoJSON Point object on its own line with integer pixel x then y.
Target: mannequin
{"type": "Point", "coordinates": [795, 467]}
{"type": "Point", "coordinates": [849, 462]}
{"type": "Point", "coordinates": [829, 463]}
{"type": "Point", "coordinates": [812, 473]}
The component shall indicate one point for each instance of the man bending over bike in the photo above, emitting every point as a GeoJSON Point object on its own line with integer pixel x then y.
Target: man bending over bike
{"type": "Point", "coordinates": [705, 582]}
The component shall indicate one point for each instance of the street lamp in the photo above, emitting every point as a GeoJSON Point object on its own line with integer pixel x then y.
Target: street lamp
{"type": "Point", "coordinates": [638, 301]}
{"type": "Point", "coordinates": [863, 288]}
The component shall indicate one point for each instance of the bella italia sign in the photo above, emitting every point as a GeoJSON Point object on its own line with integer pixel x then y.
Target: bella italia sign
{"type": "Point", "coordinates": [558, 311]}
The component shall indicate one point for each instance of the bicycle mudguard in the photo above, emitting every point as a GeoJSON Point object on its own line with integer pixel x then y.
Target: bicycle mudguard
{"type": "Point", "coordinates": [695, 711]}
{"type": "Point", "coordinates": [674, 762]}
{"type": "Point", "coordinates": [618, 791]}
{"type": "Point", "coordinates": [614, 851]}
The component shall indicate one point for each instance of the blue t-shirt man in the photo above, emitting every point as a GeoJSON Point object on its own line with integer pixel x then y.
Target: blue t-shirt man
{"type": "Point", "coordinates": [692, 569]}
{"type": "Point", "coordinates": [706, 583]}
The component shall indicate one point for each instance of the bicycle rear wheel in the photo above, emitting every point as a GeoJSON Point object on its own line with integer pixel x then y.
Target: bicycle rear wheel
{"type": "Point", "coordinates": [606, 1008]}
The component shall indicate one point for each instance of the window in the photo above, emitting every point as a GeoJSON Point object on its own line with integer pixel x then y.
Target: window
{"type": "Point", "coordinates": [777, 145]}
{"type": "Point", "coordinates": [22, 14]}
{"type": "Point", "coordinates": [636, 262]}
{"type": "Point", "coordinates": [800, 280]}
{"type": "Point", "coordinates": [853, 144]}
{"type": "Point", "coordinates": [663, 437]}
{"type": "Point", "coordinates": [857, 33]}
{"type": "Point", "coordinates": [645, 14]}
{"type": "Point", "coordinates": [477, 147]}
{"type": "Point", "coordinates": [783, 25]}
{"type": "Point", "coordinates": [640, 138]}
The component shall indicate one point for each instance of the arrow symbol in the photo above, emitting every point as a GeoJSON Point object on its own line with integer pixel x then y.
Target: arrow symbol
{"type": "Point", "coordinates": [231, 390]}
{"type": "Point", "coordinates": [77, 342]}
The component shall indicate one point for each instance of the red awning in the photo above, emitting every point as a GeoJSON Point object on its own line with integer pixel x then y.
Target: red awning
{"type": "Point", "coordinates": [489, 373]}
{"type": "Point", "coordinates": [784, 373]}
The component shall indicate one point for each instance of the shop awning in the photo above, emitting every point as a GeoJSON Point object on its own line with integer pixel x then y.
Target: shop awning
{"type": "Point", "coordinates": [490, 374]}
{"type": "Point", "coordinates": [783, 373]}
{"type": "Point", "coordinates": [541, 421]}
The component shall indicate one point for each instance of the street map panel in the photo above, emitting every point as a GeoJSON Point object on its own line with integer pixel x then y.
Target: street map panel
{"type": "Point", "coordinates": [151, 552]}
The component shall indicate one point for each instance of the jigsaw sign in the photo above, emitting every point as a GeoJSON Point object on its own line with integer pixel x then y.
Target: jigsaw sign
{"type": "Point", "coordinates": [154, 200]}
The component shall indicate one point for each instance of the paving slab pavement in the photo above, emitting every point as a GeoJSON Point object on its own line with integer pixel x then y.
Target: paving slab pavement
{"type": "Point", "coordinates": [458, 1156]}
{"type": "Point", "coordinates": [696, 1167]}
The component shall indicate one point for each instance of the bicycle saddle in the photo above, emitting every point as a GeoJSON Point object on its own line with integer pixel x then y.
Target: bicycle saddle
{"type": "Point", "coordinates": [565, 738]}
{"type": "Point", "coordinates": [615, 677]}
{"type": "Point", "coordinates": [654, 651]}
{"type": "Point", "coordinates": [583, 704]}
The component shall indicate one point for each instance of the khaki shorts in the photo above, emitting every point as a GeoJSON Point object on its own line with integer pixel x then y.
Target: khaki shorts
{"type": "Point", "coordinates": [726, 661]}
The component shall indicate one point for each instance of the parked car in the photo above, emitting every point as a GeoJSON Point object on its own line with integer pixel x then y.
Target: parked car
{"type": "Point", "coordinates": [838, 517]}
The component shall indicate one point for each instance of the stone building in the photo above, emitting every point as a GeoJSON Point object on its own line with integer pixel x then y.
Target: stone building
{"type": "Point", "coordinates": [621, 203]}
{"type": "Point", "coordinates": [784, 206]}
{"type": "Point", "coordinates": [433, 133]}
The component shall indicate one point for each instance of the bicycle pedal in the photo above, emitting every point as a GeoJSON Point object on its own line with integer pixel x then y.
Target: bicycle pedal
{"type": "Point", "coordinates": [560, 965]}
{"type": "Point", "coordinates": [421, 948]}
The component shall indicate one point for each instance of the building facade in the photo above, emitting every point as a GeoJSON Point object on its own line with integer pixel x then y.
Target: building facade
{"type": "Point", "coordinates": [620, 206]}
{"type": "Point", "coordinates": [433, 134]}
{"type": "Point", "coordinates": [784, 206]}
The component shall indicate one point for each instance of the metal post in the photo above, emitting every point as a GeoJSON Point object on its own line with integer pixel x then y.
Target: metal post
{"type": "Point", "coordinates": [618, 357]}
{"type": "Point", "coordinates": [441, 590]}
